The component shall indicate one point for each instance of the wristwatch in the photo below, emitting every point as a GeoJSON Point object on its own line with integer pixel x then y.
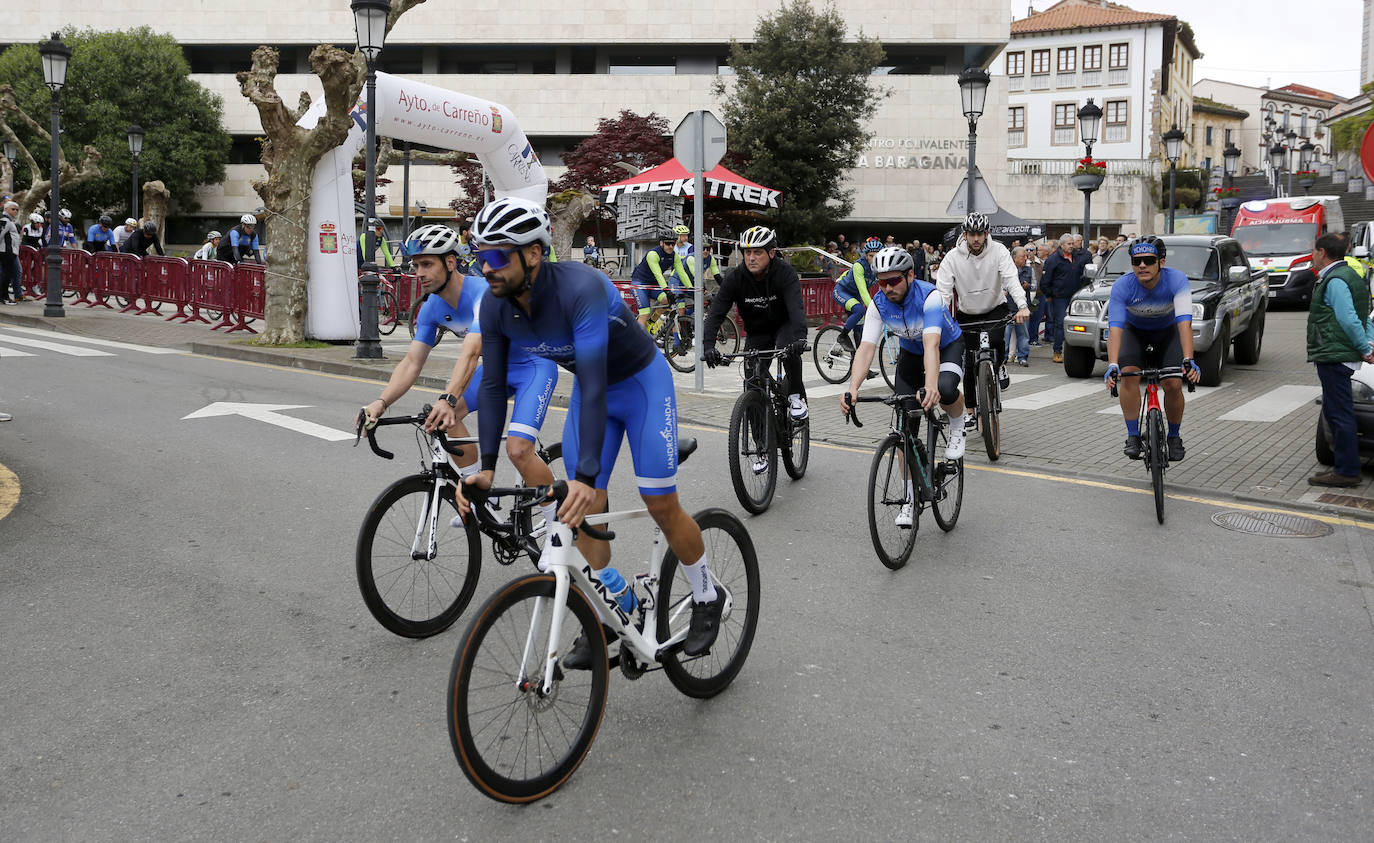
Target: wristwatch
{"type": "Point", "coordinates": [451, 399]}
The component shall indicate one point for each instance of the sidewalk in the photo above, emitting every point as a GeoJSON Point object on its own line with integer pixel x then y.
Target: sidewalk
{"type": "Point", "coordinates": [1266, 464]}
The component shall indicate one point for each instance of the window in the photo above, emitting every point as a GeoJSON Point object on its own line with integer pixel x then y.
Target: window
{"type": "Point", "coordinates": [1068, 60]}
{"type": "Point", "coordinates": [1114, 118]}
{"type": "Point", "coordinates": [1040, 61]}
{"type": "Point", "coordinates": [1320, 116]}
{"type": "Point", "coordinates": [1302, 127]}
{"type": "Point", "coordinates": [1016, 126]}
{"type": "Point", "coordinates": [1092, 58]}
{"type": "Point", "coordinates": [1228, 136]}
{"type": "Point", "coordinates": [1117, 56]}
{"type": "Point", "coordinates": [1208, 140]}
{"type": "Point", "coordinates": [1065, 129]}
{"type": "Point", "coordinates": [1016, 63]}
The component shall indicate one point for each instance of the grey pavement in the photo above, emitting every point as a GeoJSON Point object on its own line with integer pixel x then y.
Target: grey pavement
{"type": "Point", "coordinates": [1259, 461]}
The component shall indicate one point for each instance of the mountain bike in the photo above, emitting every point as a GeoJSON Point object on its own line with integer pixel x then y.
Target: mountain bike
{"type": "Point", "coordinates": [417, 573]}
{"type": "Point", "coordinates": [520, 724]}
{"type": "Point", "coordinates": [896, 490]}
{"type": "Point", "coordinates": [989, 397]}
{"type": "Point", "coordinates": [672, 331]}
{"type": "Point", "coordinates": [761, 424]}
{"type": "Point", "coordinates": [1154, 449]}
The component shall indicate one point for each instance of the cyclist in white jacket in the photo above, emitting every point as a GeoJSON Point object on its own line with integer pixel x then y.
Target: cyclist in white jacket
{"type": "Point", "coordinates": [975, 279]}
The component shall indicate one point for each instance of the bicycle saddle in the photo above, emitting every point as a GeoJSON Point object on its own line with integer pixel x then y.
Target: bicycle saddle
{"type": "Point", "coordinates": [685, 447]}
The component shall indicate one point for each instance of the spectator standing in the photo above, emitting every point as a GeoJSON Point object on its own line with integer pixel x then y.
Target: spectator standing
{"type": "Point", "coordinates": [1103, 247]}
{"type": "Point", "coordinates": [1339, 336]}
{"type": "Point", "coordinates": [32, 234]}
{"type": "Point", "coordinates": [210, 248]}
{"type": "Point", "coordinates": [242, 242]}
{"type": "Point", "coordinates": [122, 233]}
{"type": "Point", "coordinates": [100, 237]}
{"type": "Point", "coordinates": [9, 255]}
{"type": "Point", "coordinates": [142, 240]}
{"type": "Point", "coordinates": [1039, 306]}
{"type": "Point", "coordinates": [918, 258]}
{"type": "Point", "coordinates": [1058, 283]}
{"type": "Point", "coordinates": [1018, 330]}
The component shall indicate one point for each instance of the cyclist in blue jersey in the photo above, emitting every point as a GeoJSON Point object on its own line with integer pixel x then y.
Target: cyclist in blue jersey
{"type": "Point", "coordinates": [622, 387]}
{"type": "Point", "coordinates": [452, 303]}
{"type": "Point", "coordinates": [915, 311]}
{"type": "Point", "coordinates": [659, 268]}
{"type": "Point", "coordinates": [1152, 305]}
{"type": "Point", "coordinates": [851, 292]}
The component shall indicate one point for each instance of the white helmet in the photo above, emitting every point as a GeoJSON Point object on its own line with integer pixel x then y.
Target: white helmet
{"type": "Point", "coordinates": [758, 237]}
{"type": "Point", "coordinates": [214, 235]}
{"type": "Point", "coordinates": [433, 239]}
{"type": "Point", "coordinates": [512, 222]}
{"type": "Point", "coordinates": [131, 221]}
{"type": "Point", "coordinates": [892, 259]}
{"type": "Point", "coordinates": [64, 214]}
{"type": "Point", "coordinates": [248, 219]}
{"type": "Point", "coordinates": [36, 218]}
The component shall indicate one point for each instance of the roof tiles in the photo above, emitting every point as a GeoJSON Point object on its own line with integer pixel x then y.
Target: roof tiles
{"type": "Point", "coordinates": [1084, 14]}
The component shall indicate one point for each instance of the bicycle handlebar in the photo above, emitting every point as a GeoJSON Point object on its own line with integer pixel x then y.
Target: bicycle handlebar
{"type": "Point", "coordinates": [1166, 373]}
{"type": "Point", "coordinates": [890, 400]}
{"type": "Point", "coordinates": [418, 420]}
{"type": "Point", "coordinates": [528, 496]}
{"type": "Point", "coordinates": [761, 352]}
{"type": "Point", "coordinates": [985, 325]}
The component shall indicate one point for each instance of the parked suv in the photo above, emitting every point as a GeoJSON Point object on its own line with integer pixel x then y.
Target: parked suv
{"type": "Point", "coordinates": [1229, 303]}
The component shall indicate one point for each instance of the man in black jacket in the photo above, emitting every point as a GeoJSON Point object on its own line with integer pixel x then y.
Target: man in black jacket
{"type": "Point", "coordinates": [767, 292]}
{"type": "Point", "coordinates": [141, 240]}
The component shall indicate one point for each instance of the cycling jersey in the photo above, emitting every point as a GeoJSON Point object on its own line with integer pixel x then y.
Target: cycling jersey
{"type": "Point", "coordinates": [853, 284]}
{"type": "Point", "coordinates": [99, 239]}
{"type": "Point", "coordinates": [921, 312]}
{"type": "Point", "coordinates": [981, 281]}
{"type": "Point", "coordinates": [650, 273]}
{"type": "Point", "coordinates": [575, 317]}
{"type": "Point", "coordinates": [1170, 302]}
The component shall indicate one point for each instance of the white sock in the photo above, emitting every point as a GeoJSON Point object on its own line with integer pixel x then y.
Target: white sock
{"type": "Point", "coordinates": [795, 398]}
{"type": "Point", "coordinates": [699, 575]}
{"type": "Point", "coordinates": [956, 423]}
{"type": "Point", "coordinates": [910, 491]}
{"type": "Point", "coordinates": [469, 470]}
{"type": "Point", "coordinates": [550, 511]}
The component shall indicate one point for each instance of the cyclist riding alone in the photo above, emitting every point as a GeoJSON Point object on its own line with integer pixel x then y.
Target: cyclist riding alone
{"type": "Point", "coordinates": [767, 292]}
{"type": "Point", "coordinates": [1152, 305]}
{"type": "Point", "coordinates": [926, 332]}
{"type": "Point", "coordinates": [654, 270]}
{"type": "Point", "coordinates": [975, 280]}
{"type": "Point", "coordinates": [851, 291]}
{"type": "Point", "coordinates": [453, 300]}
{"type": "Point", "coordinates": [573, 315]}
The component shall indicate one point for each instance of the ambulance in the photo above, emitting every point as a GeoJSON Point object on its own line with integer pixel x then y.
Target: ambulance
{"type": "Point", "coordinates": [1278, 235]}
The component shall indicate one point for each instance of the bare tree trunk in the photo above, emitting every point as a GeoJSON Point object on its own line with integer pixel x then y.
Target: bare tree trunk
{"type": "Point", "coordinates": [155, 199]}
{"type": "Point", "coordinates": [567, 211]}
{"type": "Point", "coordinates": [38, 191]}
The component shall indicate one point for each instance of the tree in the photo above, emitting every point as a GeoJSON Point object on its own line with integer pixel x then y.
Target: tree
{"type": "Point", "coordinates": [115, 79]}
{"type": "Point", "coordinates": [39, 188]}
{"type": "Point", "coordinates": [796, 109]}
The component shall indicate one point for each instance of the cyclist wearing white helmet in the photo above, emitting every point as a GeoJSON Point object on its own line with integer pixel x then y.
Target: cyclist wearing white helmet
{"type": "Point", "coordinates": [242, 242]}
{"type": "Point", "coordinates": [32, 234]}
{"type": "Point", "coordinates": [208, 249]}
{"type": "Point", "coordinates": [622, 387]}
{"type": "Point", "coordinates": [122, 232]}
{"type": "Point", "coordinates": [767, 293]}
{"type": "Point", "coordinates": [975, 279]}
{"type": "Point", "coordinates": [65, 232]}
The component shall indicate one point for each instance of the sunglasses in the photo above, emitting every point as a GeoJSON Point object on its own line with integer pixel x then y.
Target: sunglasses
{"type": "Point", "coordinates": [1144, 260]}
{"type": "Point", "coordinates": [495, 258]}
{"type": "Point", "coordinates": [891, 282]}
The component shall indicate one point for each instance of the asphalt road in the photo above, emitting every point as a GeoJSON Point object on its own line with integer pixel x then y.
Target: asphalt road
{"type": "Point", "coordinates": [186, 655]}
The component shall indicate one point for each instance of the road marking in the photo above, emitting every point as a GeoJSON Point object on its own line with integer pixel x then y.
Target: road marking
{"type": "Point", "coordinates": [1201, 393]}
{"type": "Point", "coordinates": [1274, 404]}
{"type": "Point", "coordinates": [269, 413]}
{"type": "Point", "coordinates": [72, 350]}
{"type": "Point", "coordinates": [146, 349]}
{"type": "Point", "coordinates": [9, 490]}
{"type": "Point", "coordinates": [14, 352]}
{"type": "Point", "coordinates": [1050, 397]}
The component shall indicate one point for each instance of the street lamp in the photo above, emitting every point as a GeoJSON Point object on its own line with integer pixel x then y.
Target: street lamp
{"type": "Point", "coordinates": [1292, 148]}
{"type": "Point", "coordinates": [11, 152]}
{"type": "Point", "coordinates": [973, 91]}
{"type": "Point", "coordinates": [55, 56]}
{"type": "Point", "coordinates": [1089, 119]}
{"type": "Point", "coordinates": [135, 133]}
{"type": "Point", "coordinates": [1173, 150]}
{"type": "Point", "coordinates": [369, 19]}
{"type": "Point", "coordinates": [1304, 161]}
{"type": "Point", "coordinates": [1231, 158]}
{"type": "Point", "coordinates": [1276, 156]}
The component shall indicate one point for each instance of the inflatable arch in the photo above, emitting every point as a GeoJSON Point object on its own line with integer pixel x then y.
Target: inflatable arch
{"type": "Point", "coordinates": [411, 111]}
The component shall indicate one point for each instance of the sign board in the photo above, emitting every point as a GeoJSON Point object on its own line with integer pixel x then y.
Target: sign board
{"type": "Point", "coordinates": [645, 216]}
{"type": "Point", "coordinates": [1195, 224]}
{"type": "Point", "coordinates": [699, 141]}
{"type": "Point", "coordinates": [982, 197]}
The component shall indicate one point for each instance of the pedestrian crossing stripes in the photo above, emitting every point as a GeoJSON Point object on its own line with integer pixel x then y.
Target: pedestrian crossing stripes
{"type": "Point", "coordinates": [128, 346]}
{"type": "Point", "coordinates": [1200, 393]}
{"type": "Point", "coordinates": [1274, 404]}
{"type": "Point", "coordinates": [70, 346]}
{"type": "Point", "coordinates": [60, 348]}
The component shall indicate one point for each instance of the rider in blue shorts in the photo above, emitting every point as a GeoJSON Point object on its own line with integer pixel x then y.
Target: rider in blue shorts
{"type": "Point", "coordinates": [573, 315]}
{"type": "Point", "coordinates": [659, 269]}
{"type": "Point", "coordinates": [851, 293]}
{"type": "Point", "coordinates": [452, 304]}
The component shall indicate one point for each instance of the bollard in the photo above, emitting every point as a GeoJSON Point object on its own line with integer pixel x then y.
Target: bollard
{"type": "Point", "coordinates": [368, 347]}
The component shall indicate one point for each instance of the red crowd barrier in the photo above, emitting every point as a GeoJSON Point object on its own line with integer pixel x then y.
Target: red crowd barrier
{"type": "Point", "coordinates": [818, 301]}
{"type": "Point", "coordinates": [76, 265]}
{"type": "Point", "coordinates": [166, 280]}
{"type": "Point", "coordinates": [212, 286]}
{"type": "Point", "coordinates": [31, 269]}
{"type": "Point", "coordinates": [249, 295]}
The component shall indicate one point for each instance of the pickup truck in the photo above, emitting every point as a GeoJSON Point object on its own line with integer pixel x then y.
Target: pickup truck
{"type": "Point", "coordinates": [1229, 303]}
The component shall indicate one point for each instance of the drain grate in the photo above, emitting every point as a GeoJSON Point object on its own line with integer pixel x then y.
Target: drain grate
{"type": "Point", "coordinates": [1273, 524]}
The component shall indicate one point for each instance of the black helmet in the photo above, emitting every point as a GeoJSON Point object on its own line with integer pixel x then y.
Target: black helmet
{"type": "Point", "coordinates": [1149, 240]}
{"type": "Point", "coordinates": [975, 222]}
{"type": "Point", "coordinates": [150, 227]}
{"type": "Point", "coordinates": [106, 221]}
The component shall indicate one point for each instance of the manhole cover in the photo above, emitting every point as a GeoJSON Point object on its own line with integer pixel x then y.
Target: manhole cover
{"type": "Point", "coordinates": [1275, 524]}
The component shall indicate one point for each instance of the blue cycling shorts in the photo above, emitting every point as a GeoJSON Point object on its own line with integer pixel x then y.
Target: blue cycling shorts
{"type": "Point", "coordinates": [531, 382]}
{"type": "Point", "coordinates": [844, 298]}
{"type": "Point", "coordinates": [643, 407]}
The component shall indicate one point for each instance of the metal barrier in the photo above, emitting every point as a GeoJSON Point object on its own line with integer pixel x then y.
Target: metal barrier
{"type": "Point", "coordinates": [166, 280]}
{"type": "Point", "coordinates": [31, 269]}
{"type": "Point", "coordinates": [75, 268]}
{"type": "Point", "coordinates": [249, 296]}
{"type": "Point", "coordinates": [212, 283]}
{"type": "Point", "coordinates": [818, 301]}
{"type": "Point", "coordinates": [119, 275]}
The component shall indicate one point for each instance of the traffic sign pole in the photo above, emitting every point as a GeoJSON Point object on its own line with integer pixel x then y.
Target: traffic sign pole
{"type": "Point", "coordinates": [699, 144]}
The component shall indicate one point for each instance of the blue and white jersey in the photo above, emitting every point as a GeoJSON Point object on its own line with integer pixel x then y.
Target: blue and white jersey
{"type": "Point", "coordinates": [436, 313]}
{"type": "Point", "coordinates": [1170, 302]}
{"type": "Point", "coordinates": [922, 312]}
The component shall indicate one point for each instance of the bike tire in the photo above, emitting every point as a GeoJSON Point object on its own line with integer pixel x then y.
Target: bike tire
{"type": "Point", "coordinates": [504, 733]}
{"type": "Point", "coordinates": [386, 314]}
{"type": "Point", "coordinates": [727, 337]}
{"type": "Point", "coordinates": [1155, 451]}
{"type": "Point", "coordinates": [889, 348]}
{"type": "Point", "coordinates": [832, 361]}
{"type": "Point", "coordinates": [889, 477]}
{"type": "Point", "coordinates": [414, 320]}
{"type": "Point", "coordinates": [675, 347]}
{"type": "Point", "coordinates": [947, 480]}
{"type": "Point", "coordinates": [988, 418]}
{"type": "Point", "coordinates": [415, 598]}
{"type": "Point", "coordinates": [796, 451]}
{"type": "Point", "coordinates": [735, 568]}
{"type": "Point", "coordinates": [751, 435]}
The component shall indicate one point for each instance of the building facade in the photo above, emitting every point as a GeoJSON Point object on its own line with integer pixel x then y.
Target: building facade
{"type": "Point", "coordinates": [1215, 127]}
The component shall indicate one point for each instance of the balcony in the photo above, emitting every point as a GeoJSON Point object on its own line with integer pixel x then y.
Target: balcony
{"type": "Point", "coordinates": [1040, 83]}
{"type": "Point", "coordinates": [1118, 133]}
{"type": "Point", "coordinates": [1016, 137]}
{"type": "Point", "coordinates": [1016, 83]}
{"type": "Point", "coordinates": [1092, 78]}
{"type": "Point", "coordinates": [1065, 136]}
{"type": "Point", "coordinates": [1119, 76]}
{"type": "Point", "coordinates": [1066, 166]}
{"type": "Point", "coordinates": [1066, 80]}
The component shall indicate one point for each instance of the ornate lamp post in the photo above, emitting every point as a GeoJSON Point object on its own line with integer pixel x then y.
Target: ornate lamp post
{"type": "Point", "coordinates": [1292, 147]}
{"type": "Point", "coordinates": [1304, 162]}
{"type": "Point", "coordinates": [1089, 119]}
{"type": "Point", "coordinates": [973, 91]}
{"type": "Point", "coordinates": [369, 19]}
{"type": "Point", "coordinates": [135, 133]}
{"type": "Point", "coordinates": [1173, 150]}
{"type": "Point", "coordinates": [1276, 156]}
{"type": "Point", "coordinates": [55, 56]}
{"type": "Point", "coordinates": [1231, 157]}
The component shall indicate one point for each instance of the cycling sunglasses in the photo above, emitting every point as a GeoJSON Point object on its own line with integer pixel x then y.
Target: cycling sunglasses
{"type": "Point", "coordinates": [891, 282]}
{"type": "Point", "coordinates": [1144, 260]}
{"type": "Point", "coordinates": [495, 258]}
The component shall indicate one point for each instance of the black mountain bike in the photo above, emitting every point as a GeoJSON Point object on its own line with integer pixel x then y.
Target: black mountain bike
{"type": "Point", "coordinates": [673, 333]}
{"type": "Point", "coordinates": [1154, 449]}
{"type": "Point", "coordinates": [897, 493]}
{"type": "Point", "coordinates": [989, 395]}
{"type": "Point", "coordinates": [760, 426]}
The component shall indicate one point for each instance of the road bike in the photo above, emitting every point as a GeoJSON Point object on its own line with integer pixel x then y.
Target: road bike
{"type": "Point", "coordinates": [834, 359]}
{"type": "Point", "coordinates": [761, 425]}
{"type": "Point", "coordinates": [672, 330]}
{"type": "Point", "coordinates": [388, 313]}
{"type": "Point", "coordinates": [417, 573]}
{"type": "Point", "coordinates": [895, 490]}
{"type": "Point", "coordinates": [610, 266]}
{"type": "Point", "coordinates": [1154, 448]}
{"type": "Point", "coordinates": [989, 394]}
{"type": "Point", "coordinates": [520, 724]}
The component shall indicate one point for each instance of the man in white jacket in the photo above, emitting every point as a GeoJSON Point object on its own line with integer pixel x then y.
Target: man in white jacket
{"type": "Point", "coordinates": [975, 279]}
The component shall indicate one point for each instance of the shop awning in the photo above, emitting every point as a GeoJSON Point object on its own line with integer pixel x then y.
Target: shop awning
{"type": "Point", "coordinates": [672, 178]}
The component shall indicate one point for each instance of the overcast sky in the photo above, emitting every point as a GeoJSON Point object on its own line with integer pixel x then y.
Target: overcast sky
{"type": "Point", "coordinates": [1266, 42]}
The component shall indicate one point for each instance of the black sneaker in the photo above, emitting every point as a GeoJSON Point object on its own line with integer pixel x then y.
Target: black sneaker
{"type": "Point", "coordinates": [1003, 379]}
{"type": "Point", "coordinates": [580, 656]}
{"type": "Point", "coordinates": [1176, 449]}
{"type": "Point", "coordinates": [846, 343]}
{"type": "Point", "coordinates": [1132, 449]}
{"type": "Point", "coordinates": [705, 625]}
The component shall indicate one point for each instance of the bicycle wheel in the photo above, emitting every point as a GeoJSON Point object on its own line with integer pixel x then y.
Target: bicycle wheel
{"type": "Point", "coordinates": [947, 479]}
{"type": "Point", "coordinates": [753, 471]}
{"type": "Point", "coordinates": [796, 451]}
{"type": "Point", "coordinates": [414, 315]}
{"type": "Point", "coordinates": [611, 268]}
{"type": "Point", "coordinates": [988, 419]}
{"type": "Point", "coordinates": [416, 598]}
{"type": "Point", "coordinates": [727, 337]}
{"type": "Point", "coordinates": [735, 568]}
{"type": "Point", "coordinates": [889, 492]}
{"type": "Point", "coordinates": [888, 349]}
{"type": "Point", "coordinates": [512, 741]}
{"type": "Point", "coordinates": [677, 348]}
{"type": "Point", "coordinates": [386, 314]}
{"type": "Point", "coordinates": [832, 359]}
{"type": "Point", "coordinates": [1155, 454]}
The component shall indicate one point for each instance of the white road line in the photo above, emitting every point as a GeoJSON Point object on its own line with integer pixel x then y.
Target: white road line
{"type": "Point", "coordinates": [73, 350]}
{"type": "Point", "coordinates": [1050, 397]}
{"type": "Point", "coordinates": [1274, 404]}
{"type": "Point", "coordinates": [14, 352]}
{"type": "Point", "coordinates": [146, 349]}
{"type": "Point", "coordinates": [1201, 393]}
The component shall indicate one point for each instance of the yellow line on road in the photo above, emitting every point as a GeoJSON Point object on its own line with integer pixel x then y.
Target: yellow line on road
{"type": "Point", "coordinates": [9, 490]}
